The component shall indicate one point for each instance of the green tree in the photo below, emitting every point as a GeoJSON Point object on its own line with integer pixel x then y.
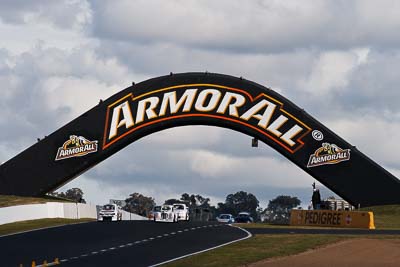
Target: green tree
{"type": "Point", "coordinates": [139, 204]}
{"type": "Point", "coordinates": [283, 203]}
{"type": "Point", "coordinates": [239, 202]}
{"type": "Point", "coordinates": [172, 201]}
{"type": "Point", "coordinates": [199, 207]}
{"type": "Point", "coordinates": [74, 194]}
{"type": "Point", "coordinates": [278, 210]}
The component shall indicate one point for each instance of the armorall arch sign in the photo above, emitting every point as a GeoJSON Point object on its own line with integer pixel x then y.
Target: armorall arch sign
{"type": "Point", "coordinates": [199, 99]}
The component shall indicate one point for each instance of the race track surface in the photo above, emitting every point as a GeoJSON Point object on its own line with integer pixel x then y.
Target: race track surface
{"type": "Point", "coordinates": [127, 243]}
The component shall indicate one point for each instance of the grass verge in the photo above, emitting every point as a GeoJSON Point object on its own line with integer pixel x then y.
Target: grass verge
{"type": "Point", "coordinates": [386, 217]}
{"type": "Point", "coordinates": [17, 227]}
{"type": "Point", "coordinates": [258, 248]}
{"type": "Point", "coordinates": [263, 247]}
{"type": "Point", "coordinates": [8, 201]}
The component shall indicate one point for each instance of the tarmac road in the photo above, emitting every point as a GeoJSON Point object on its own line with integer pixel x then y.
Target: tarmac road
{"type": "Point", "coordinates": [126, 243]}
{"type": "Point", "coordinates": [133, 243]}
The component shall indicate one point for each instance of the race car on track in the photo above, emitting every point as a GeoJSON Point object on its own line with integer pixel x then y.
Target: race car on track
{"type": "Point", "coordinates": [244, 217]}
{"type": "Point", "coordinates": [181, 211]}
{"type": "Point", "coordinates": [164, 213]}
{"type": "Point", "coordinates": [110, 212]}
{"type": "Point", "coordinates": [226, 218]}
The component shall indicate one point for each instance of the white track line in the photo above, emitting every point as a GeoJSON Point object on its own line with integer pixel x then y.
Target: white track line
{"type": "Point", "coordinates": [48, 264]}
{"type": "Point", "coordinates": [205, 250]}
{"type": "Point", "coordinates": [153, 238]}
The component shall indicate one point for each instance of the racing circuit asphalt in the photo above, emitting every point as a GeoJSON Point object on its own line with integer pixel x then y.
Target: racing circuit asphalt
{"type": "Point", "coordinates": [126, 243]}
{"type": "Point", "coordinates": [134, 243]}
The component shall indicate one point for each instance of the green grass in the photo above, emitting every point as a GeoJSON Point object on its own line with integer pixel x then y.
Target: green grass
{"type": "Point", "coordinates": [17, 227]}
{"type": "Point", "coordinates": [386, 217]}
{"type": "Point", "coordinates": [262, 247]}
{"type": "Point", "coordinates": [258, 248]}
{"type": "Point", "coordinates": [7, 201]}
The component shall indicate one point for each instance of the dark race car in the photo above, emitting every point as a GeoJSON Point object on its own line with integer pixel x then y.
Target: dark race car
{"type": "Point", "coordinates": [244, 217]}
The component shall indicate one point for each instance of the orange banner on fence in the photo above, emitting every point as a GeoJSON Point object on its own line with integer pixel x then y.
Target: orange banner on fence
{"type": "Point", "coordinates": [333, 218]}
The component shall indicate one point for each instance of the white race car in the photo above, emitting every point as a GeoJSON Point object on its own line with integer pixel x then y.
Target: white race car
{"type": "Point", "coordinates": [164, 213]}
{"type": "Point", "coordinates": [181, 211]}
{"type": "Point", "coordinates": [226, 218]}
{"type": "Point", "coordinates": [110, 212]}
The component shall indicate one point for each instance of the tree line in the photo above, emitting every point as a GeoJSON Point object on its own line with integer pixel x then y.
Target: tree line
{"type": "Point", "coordinates": [277, 211]}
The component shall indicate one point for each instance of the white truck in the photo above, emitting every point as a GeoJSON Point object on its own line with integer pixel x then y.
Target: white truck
{"type": "Point", "coordinates": [110, 212]}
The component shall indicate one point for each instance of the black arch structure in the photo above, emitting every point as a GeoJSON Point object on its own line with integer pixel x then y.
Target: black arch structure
{"type": "Point", "coordinates": [199, 99]}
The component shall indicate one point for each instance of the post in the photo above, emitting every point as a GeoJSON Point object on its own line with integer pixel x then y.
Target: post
{"type": "Point", "coordinates": [254, 142]}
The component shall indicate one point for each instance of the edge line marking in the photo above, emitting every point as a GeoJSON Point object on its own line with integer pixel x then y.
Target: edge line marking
{"type": "Point", "coordinates": [249, 235]}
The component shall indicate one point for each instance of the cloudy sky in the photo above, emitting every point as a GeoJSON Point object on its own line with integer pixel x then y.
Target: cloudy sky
{"type": "Point", "coordinates": [339, 60]}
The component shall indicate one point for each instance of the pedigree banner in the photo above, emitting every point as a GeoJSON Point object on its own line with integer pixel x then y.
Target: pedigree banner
{"type": "Point", "coordinates": [199, 99]}
{"type": "Point", "coordinates": [332, 218]}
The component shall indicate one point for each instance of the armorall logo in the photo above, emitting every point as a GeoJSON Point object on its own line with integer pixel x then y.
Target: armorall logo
{"type": "Point", "coordinates": [76, 146]}
{"type": "Point", "coordinates": [261, 113]}
{"type": "Point", "coordinates": [328, 154]}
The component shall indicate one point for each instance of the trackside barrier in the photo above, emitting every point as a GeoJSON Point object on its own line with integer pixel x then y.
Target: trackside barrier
{"type": "Point", "coordinates": [47, 210]}
{"type": "Point", "coordinates": [332, 218]}
{"type": "Point", "coordinates": [54, 210]}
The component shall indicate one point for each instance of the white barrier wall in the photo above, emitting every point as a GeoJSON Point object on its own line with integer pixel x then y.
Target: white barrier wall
{"type": "Point", "coordinates": [79, 210]}
{"type": "Point", "coordinates": [22, 213]}
{"type": "Point", "coordinates": [54, 210]}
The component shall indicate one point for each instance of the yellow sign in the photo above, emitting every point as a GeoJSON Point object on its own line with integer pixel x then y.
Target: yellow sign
{"type": "Point", "coordinates": [333, 218]}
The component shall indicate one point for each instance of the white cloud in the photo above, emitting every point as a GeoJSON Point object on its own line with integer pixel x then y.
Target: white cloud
{"type": "Point", "coordinates": [60, 24]}
{"type": "Point", "coordinates": [77, 95]}
{"type": "Point", "coordinates": [246, 171]}
{"type": "Point", "coordinates": [258, 26]}
{"type": "Point", "coordinates": [332, 70]}
{"type": "Point", "coordinates": [183, 137]}
{"type": "Point", "coordinates": [371, 135]}
{"type": "Point", "coordinates": [65, 14]}
{"type": "Point", "coordinates": [208, 24]}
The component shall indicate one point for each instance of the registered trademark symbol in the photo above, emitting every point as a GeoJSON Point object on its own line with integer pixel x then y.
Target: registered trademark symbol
{"type": "Point", "coordinates": [317, 135]}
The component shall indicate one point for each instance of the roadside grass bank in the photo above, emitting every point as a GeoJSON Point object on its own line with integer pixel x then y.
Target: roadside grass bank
{"type": "Point", "coordinates": [257, 248]}
{"type": "Point", "coordinates": [262, 247]}
{"type": "Point", "coordinates": [8, 201]}
{"type": "Point", "coordinates": [17, 227]}
{"type": "Point", "coordinates": [386, 217]}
